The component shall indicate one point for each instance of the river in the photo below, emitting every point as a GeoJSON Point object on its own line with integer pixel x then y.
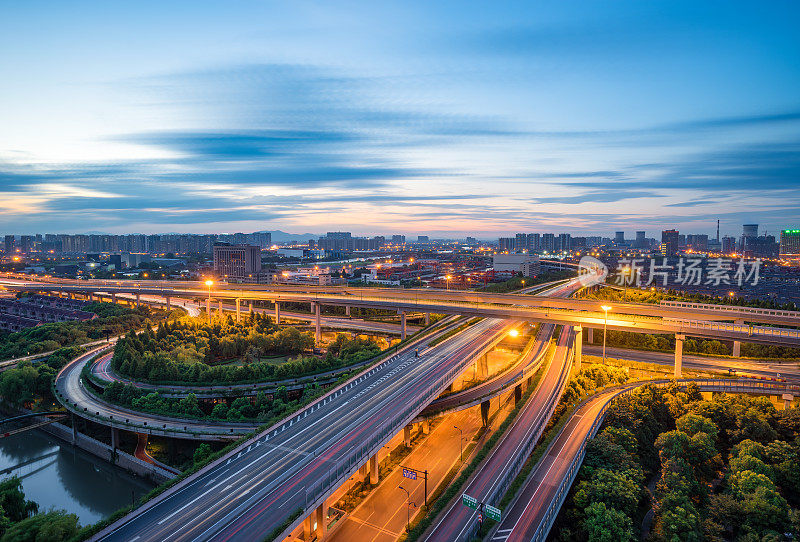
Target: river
{"type": "Point", "coordinates": [63, 477]}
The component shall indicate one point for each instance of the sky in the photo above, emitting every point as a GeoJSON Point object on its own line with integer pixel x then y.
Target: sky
{"type": "Point", "coordinates": [440, 118]}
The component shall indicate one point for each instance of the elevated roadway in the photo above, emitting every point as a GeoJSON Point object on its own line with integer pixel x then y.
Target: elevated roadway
{"type": "Point", "coordinates": [493, 475]}
{"type": "Point", "coordinates": [531, 514]}
{"type": "Point", "coordinates": [300, 461]}
{"type": "Point", "coordinates": [641, 318]}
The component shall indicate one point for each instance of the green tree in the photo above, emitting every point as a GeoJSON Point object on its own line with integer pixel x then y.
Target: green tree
{"type": "Point", "coordinates": [53, 526]}
{"type": "Point", "coordinates": [605, 524]}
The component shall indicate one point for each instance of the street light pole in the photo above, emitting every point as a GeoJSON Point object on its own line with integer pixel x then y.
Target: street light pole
{"type": "Point", "coordinates": [461, 441]}
{"type": "Point", "coordinates": [408, 508]}
{"type": "Point", "coordinates": [605, 308]}
{"type": "Point", "coordinates": [209, 283]}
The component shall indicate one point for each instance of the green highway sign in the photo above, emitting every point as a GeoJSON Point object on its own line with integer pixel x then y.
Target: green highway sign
{"type": "Point", "coordinates": [492, 512]}
{"type": "Point", "coordinates": [469, 502]}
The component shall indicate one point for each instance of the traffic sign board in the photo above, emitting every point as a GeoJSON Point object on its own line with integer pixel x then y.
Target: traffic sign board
{"type": "Point", "coordinates": [492, 512]}
{"type": "Point", "coordinates": [469, 502]}
{"type": "Point", "coordinates": [410, 473]}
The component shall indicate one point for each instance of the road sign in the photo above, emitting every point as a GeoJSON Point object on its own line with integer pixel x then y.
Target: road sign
{"type": "Point", "coordinates": [492, 512]}
{"type": "Point", "coordinates": [411, 474]}
{"type": "Point", "coordinates": [469, 502]}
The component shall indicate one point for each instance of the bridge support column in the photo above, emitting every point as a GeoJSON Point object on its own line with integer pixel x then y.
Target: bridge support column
{"type": "Point", "coordinates": [208, 308]}
{"type": "Point", "coordinates": [737, 345]}
{"type": "Point", "coordinates": [426, 427]}
{"type": "Point", "coordinates": [138, 299]}
{"type": "Point", "coordinates": [219, 308]}
{"type": "Point", "coordinates": [250, 308]}
{"type": "Point", "coordinates": [363, 470]}
{"type": "Point", "coordinates": [590, 335]}
{"type": "Point", "coordinates": [485, 405]}
{"type": "Point", "coordinates": [277, 312]}
{"type": "Point", "coordinates": [317, 324]}
{"type": "Point", "coordinates": [347, 310]}
{"type": "Point", "coordinates": [407, 436]}
{"type": "Point", "coordinates": [113, 298]}
{"type": "Point", "coordinates": [483, 366]}
{"type": "Point", "coordinates": [427, 318]}
{"type": "Point", "coordinates": [114, 438]}
{"type": "Point", "coordinates": [578, 347]}
{"type": "Point", "coordinates": [373, 469]}
{"type": "Point", "coordinates": [321, 520]}
{"type": "Point", "coordinates": [238, 309]}
{"type": "Point", "coordinates": [402, 325]}
{"type": "Point", "coordinates": [679, 338]}
{"type": "Point", "coordinates": [169, 303]}
{"type": "Point", "coordinates": [787, 400]}
{"type": "Point", "coordinates": [91, 297]}
{"type": "Point", "coordinates": [307, 527]}
{"type": "Point", "coordinates": [74, 429]}
{"type": "Point", "coordinates": [517, 394]}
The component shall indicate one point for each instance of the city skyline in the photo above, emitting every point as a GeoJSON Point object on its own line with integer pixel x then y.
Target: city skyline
{"type": "Point", "coordinates": [443, 120]}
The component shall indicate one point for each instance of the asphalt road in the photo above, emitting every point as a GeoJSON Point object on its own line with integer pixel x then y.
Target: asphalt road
{"type": "Point", "coordinates": [454, 523]}
{"type": "Point", "coordinates": [252, 490]}
{"type": "Point", "coordinates": [788, 370]}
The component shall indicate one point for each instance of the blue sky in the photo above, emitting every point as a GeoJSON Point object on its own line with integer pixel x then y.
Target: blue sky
{"type": "Point", "coordinates": [415, 117]}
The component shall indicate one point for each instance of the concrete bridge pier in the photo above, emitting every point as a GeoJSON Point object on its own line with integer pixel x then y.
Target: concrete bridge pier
{"type": "Point", "coordinates": [679, 338]}
{"type": "Point", "coordinates": [737, 345]}
{"type": "Point", "coordinates": [114, 438]}
{"type": "Point", "coordinates": [426, 427]}
{"type": "Point", "coordinates": [208, 308]}
{"type": "Point", "coordinates": [517, 394]}
{"type": "Point", "coordinates": [347, 310]}
{"type": "Point", "coordinates": [482, 367]}
{"type": "Point", "coordinates": [250, 308]}
{"type": "Point", "coordinates": [321, 520]}
{"type": "Point", "coordinates": [407, 436]}
{"type": "Point", "coordinates": [402, 325]}
{"type": "Point", "coordinates": [427, 318]}
{"type": "Point", "coordinates": [373, 469]}
{"type": "Point", "coordinates": [113, 298]}
{"type": "Point", "coordinates": [485, 406]}
{"type": "Point", "coordinates": [238, 309]}
{"type": "Point", "coordinates": [277, 312]}
{"type": "Point", "coordinates": [317, 323]}
{"type": "Point", "coordinates": [169, 302]}
{"type": "Point", "coordinates": [74, 429]}
{"type": "Point", "coordinates": [787, 400]}
{"type": "Point", "coordinates": [91, 297]}
{"type": "Point", "coordinates": [138, 299]}
{"type": "Point", "coordinates": [578, 347]}
{"type": "Point", "coordinates": [590, 335]}
{"type": "Point", "coordinates": [219, 308]}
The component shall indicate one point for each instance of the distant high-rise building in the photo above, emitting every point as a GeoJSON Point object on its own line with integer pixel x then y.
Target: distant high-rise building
{"type": "Point", "coordinates": [8, 244]}
{"type": "Point", "coordinates": [548, 242]}
{"type": "Point", "coordinates": [577, 243]}
{"type": "Point", "coordinates": [564, 242]}
{"type": "Point", "coordinates": [641, 240]}
{"type": "Point", "coordinates": [471, 241]}
{"type": "Point", "coordinates": [697, 242]}
{"type": "Point", "coordinates": [619, 238]}
{"type": "Point", "coordinates": [534, 242]}
{"type": "Point", "coordinates": [790, 243]}
{"type": "Point", "coordinates": [237, 261]}
{"type": "Point", "coordinates": [669, 242]}
{"type": "Point", "coordinates": [728, 245]}
{"type": "Point", "coordinates": [423, 239]}
{"type": "Point", "coordinates": [506, 244]}
{"type": "Point", "coordinates": [520, 242]}
{"type": "Point", "coordinates": [26, 243]}
{"type": "Point", "coordinates": [594, 241]}
{"type": "Point", "coordinates": [398, 239]}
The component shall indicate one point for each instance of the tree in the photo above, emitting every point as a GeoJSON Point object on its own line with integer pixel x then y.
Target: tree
{"type": "Point", "coordinates": [53, 526]}
{"type": "Point", "coordinates": [201, 453]}
{"type": "Point", "coordinates": [12, 500]}
{"type": "Point", "coordinates": [605, 524]}
{"type": "Point", "coordinates": [615, 490]}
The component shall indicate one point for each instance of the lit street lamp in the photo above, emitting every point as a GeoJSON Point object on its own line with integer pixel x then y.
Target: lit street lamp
{"type": "Point", "coordinates": [605, 308]}
{"type": "Point", "coordinates": [209, 283]}
{"type": "Point", "coordinates": [447, 278]}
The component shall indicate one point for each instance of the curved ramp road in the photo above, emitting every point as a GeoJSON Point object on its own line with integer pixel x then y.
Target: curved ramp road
{"type": "Point", "coordinates": [458, 522]}
{"type": "Point", "coordinates": [244, 495]}
{"type": "Point", "coordinates": [533, 511]}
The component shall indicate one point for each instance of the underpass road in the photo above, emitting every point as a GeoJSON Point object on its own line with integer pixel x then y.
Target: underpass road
{"type": "Point", "coordinates": [452, 524]}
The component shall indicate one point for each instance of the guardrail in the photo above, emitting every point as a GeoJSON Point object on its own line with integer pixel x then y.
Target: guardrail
{"type": "Point", "coordinates": [749, 330]}
{"type": "Point", "coordinates": [730, 308]}
{"type": "Point", "coordinates": [521, 458]}
{"type": "Point", "coordinates": [728, 385]}
{"type": "Point", "coordinates": [346, 467]}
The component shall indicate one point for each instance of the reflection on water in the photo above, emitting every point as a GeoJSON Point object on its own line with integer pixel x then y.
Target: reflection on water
{"type": "Point", "coordinates": [57, 475]}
